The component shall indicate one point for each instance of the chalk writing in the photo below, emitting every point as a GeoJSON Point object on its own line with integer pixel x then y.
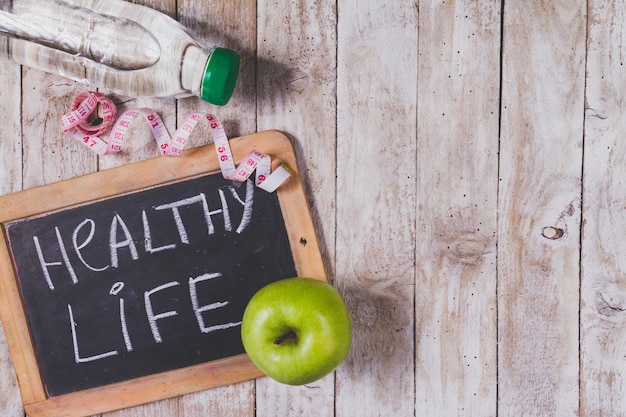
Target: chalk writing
{"type": "Point", "coordinates": [146, 282]}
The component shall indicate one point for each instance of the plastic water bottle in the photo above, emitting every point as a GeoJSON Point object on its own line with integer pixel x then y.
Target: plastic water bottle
{"type": "Point", "coordinates": [118, 46]}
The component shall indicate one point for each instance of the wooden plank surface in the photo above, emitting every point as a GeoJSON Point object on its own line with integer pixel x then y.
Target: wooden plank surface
{"type": "Point", "coordinates": [603, 284]}
{"type": "Point", "coordinates": [540, 190]}
{"type": "Point", "coordinates": [457, 155]}
{"type": "Point", "coordinates": [376, 199]}
{"type": "Point", "coordinates": [464, 163]}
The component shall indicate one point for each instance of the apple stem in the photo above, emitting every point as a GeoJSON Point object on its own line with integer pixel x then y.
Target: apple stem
{"type": "Point", "coordinates": [290, 336]}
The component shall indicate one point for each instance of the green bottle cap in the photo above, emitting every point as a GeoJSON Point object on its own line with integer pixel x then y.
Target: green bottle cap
{"type": "Point", "coordinates": [220, 76]}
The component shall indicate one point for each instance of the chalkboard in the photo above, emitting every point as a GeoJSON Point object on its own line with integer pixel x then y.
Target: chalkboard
{"type": "Point", "coordinates": [148, 282]}
{"type": "Point", "coordinates": [145, 282]}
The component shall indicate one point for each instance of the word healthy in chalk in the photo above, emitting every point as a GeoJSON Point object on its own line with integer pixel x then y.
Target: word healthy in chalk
{"type": "Point", "coordinates": [118, 227]}
{"type": "Point", "coordinates": [146, 282]}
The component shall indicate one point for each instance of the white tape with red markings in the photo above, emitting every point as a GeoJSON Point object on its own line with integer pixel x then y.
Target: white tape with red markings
{"type": "Point", "coordinates": [93, 114]}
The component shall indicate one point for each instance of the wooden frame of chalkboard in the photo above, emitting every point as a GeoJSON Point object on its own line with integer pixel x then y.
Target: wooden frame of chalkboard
{"type": "Point", "coordinates": [114, 183]}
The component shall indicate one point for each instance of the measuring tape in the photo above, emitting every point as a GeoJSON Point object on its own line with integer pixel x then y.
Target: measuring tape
{"type": "Point", "coordinates": [93, 114]}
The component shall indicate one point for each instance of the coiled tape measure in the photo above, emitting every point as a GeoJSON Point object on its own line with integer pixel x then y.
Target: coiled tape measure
{"type": "Point", "coordinates": [86, 125]}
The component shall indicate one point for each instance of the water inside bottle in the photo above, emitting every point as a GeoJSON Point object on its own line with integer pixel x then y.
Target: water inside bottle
{"type": "Point", "coordinates": [104, 39]}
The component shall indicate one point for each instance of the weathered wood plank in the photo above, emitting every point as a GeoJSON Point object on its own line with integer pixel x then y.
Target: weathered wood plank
{"type": "Point", "coordinates": [539, 207]}
{"type": "Point", "coordinates": [296, 94]}
{"type": "Point", "coordinates": [457, 160]}
{"type": "Point", "coordinates": [603, 283]}
{"type": "Point", "coordinates": [376, 200]}
{"type": "Point", "coordinates": [11, 131]}
{"type": "Point", "coordinates": [235, 400]}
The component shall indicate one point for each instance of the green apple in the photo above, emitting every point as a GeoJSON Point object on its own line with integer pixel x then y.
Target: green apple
{"type": "Point", "coordinates": [296, 330]}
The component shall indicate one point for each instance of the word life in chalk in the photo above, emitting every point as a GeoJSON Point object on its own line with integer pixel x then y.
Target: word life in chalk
{"type": "Point", "coordinates": [152, 317]}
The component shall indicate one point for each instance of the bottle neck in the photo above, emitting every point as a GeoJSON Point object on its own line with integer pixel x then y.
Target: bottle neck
{"type": "Point", "coordinates": [192, 68]}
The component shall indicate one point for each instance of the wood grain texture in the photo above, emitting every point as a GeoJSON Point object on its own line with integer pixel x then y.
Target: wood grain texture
{"type": "Point", "coordinates": [236, 400]}
{"type": "Point", "coordinates": [376, 200]}
{"type": "Point", "coordinates": [539, 207]}
{"type": "Point", "coordinates": [603, 287]}
{"type": "Point", "coordinates": [455, 294]}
